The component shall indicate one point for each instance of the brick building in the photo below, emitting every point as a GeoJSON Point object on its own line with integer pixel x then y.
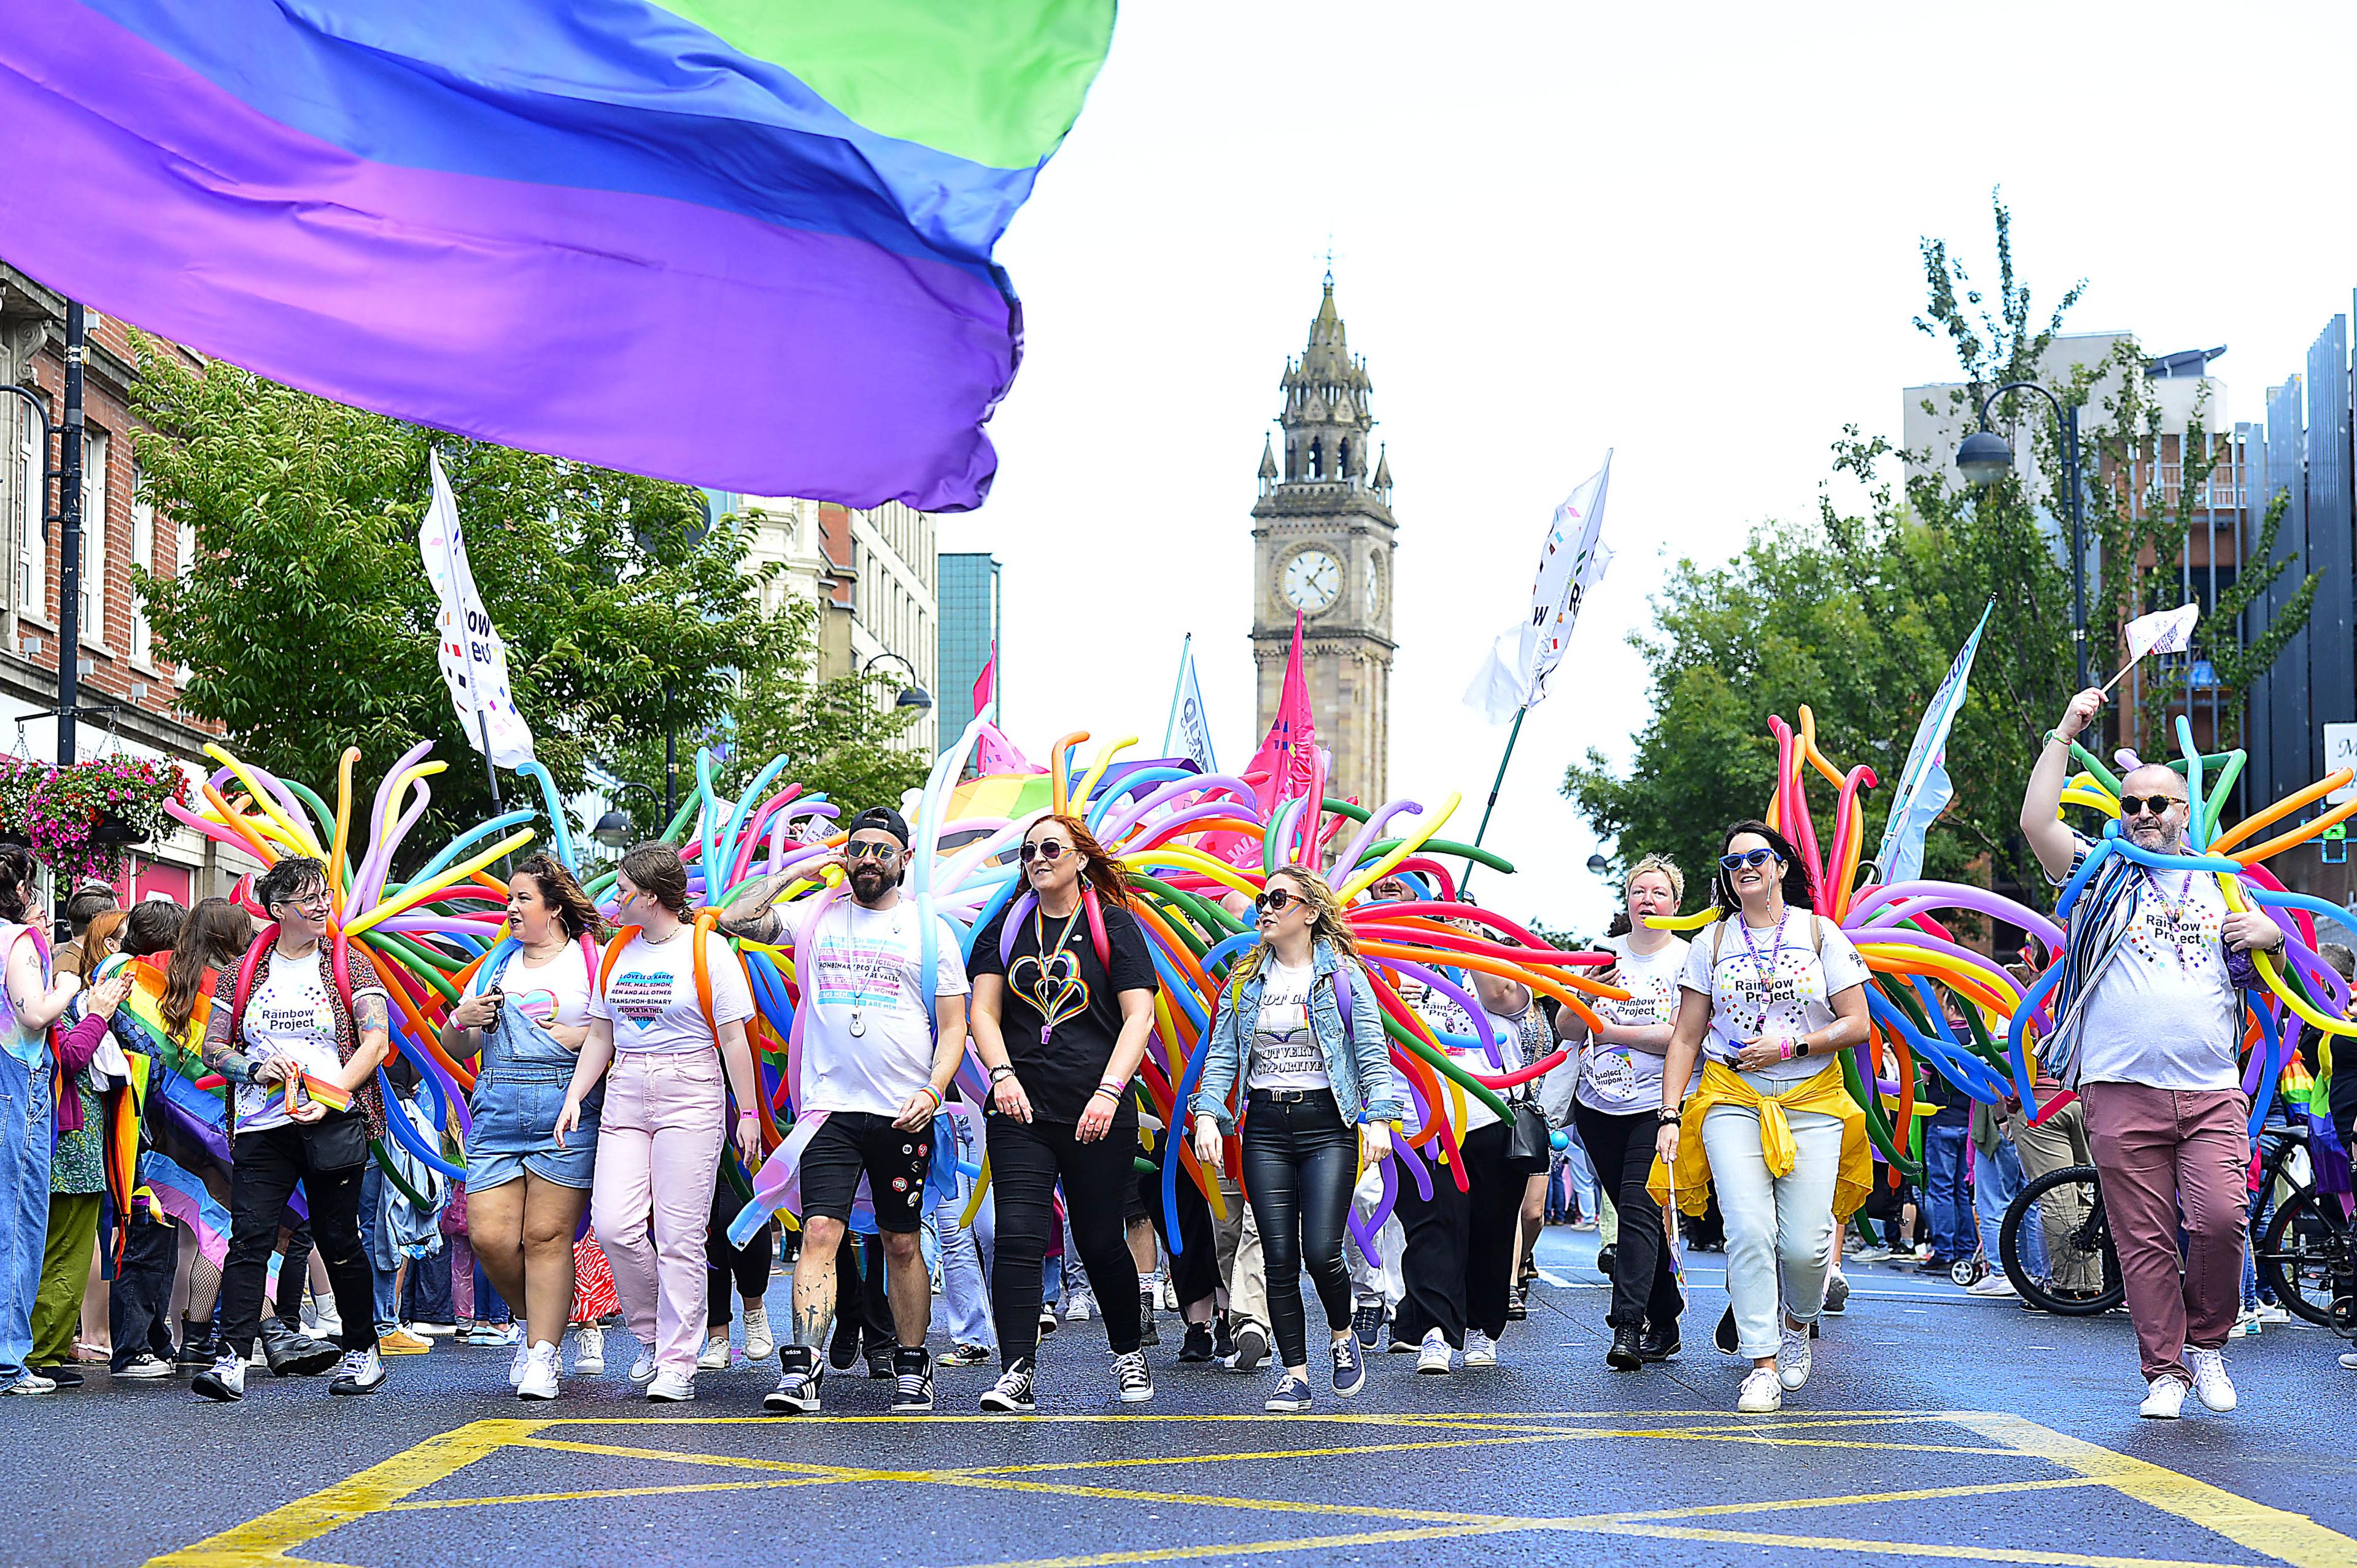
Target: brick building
{"type": "Point", "coordinates": [130, 693]}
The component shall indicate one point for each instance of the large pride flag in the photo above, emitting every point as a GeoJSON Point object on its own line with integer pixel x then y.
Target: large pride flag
{"type": "Point", "coordinates": [741, 244]}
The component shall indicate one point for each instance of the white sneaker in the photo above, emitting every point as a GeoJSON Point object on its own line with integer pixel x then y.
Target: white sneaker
{"type": "Point", "coordinates": [432, 1330]}
{"type": "Point", "coordinates": [360, 1372]}
{"type": "Point", "coordinates": [1793, 1359]}
{"type": "Point", "coordinates": [2349, 1360]}
{"type": "Point", "coordinates": [2246, 1323]}
{"type": "Point", "coordinates": [642, 1370]}
{"type": "Point", "coordinates": [519, 1364]}
{"type": "Point", "coordinates": [539, 1379]}
{"type": "Point", "coordinates": [671, 1387]}
{"type": "Point", "coordinates": [1081, 1308]}
{"type": "Point", "coordinates": [1480, 1350]}
{"type": "Point", "coordinates": [715, 1354]}
{"type": "Point", "coordinates": [32, 1382]}
{"type": "Point", "coordinates": [1996, 1282]}
{"type": "Point", "coordinates": [760, 1344]}
{"type": "Point", "coordinates": [1435, 1356]}
{"type": "Point", "coordinates": [2273, 1312]}
{"type": "Point", "coordinates": [589, 1350]}
{"type": "Point", "coordinates": [1762, 1392]}
{"type": "Point", "coordinates": [146, 1367]}
{"type": "Point", "coordinates": [2209, 1379]}
{"type": "Point", "coordinates": [2164, 1400]}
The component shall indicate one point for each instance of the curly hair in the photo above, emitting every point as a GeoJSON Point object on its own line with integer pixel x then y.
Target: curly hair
{"type": "Point", "coordinates": [1096, 863]}
{"type": "Point", "coordinates": [560, 890]}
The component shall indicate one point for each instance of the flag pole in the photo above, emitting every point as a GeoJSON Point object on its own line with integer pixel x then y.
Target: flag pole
{"type": "Point", "coordinates": [474, 687]}
{"type": "Point", "coordinates": [1495, 785]}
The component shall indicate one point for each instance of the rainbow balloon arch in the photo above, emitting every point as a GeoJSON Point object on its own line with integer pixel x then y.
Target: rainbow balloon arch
{"type": "Point", "coordinates": [1917, 961]}
{"type": "Point", "coordinates": [1185, 839]}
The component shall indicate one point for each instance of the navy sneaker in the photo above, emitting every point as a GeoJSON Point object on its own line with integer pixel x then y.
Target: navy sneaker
{"type": "Point", "coordinates": [1291, 1397]}
{"type": "Point", "coordinates": [1350, 1367]}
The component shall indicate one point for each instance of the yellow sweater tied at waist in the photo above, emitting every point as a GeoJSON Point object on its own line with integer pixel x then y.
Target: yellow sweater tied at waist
{"type": "Point", "coordinates": [1721, 1085]}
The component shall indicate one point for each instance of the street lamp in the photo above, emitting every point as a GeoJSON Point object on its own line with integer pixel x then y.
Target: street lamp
{"type": "Point", "coordinates": [912, 695]}
{"type": "Point", "coordinates": [1599, 867]}
{"type": "Point", "coordinates": [1985, 458]}
{"type": "Point", "coordinates": [613, 829]}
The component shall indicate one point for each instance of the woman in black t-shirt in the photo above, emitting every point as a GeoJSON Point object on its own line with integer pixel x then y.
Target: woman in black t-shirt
{"type": "Point", "coordinates": [1063, 1002]}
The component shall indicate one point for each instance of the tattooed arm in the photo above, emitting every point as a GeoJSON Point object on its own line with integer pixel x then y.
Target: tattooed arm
{"type": "Point", "coordinates": [752, 913]}
{"type": "Point", "coordinates": [372, 1020]}
{"type": "Point", "coordinates": [223, 1057]}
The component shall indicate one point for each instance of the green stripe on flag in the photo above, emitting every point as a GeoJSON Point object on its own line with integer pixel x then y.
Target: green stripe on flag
{"type": "Point", "coordinates": [998, 84]}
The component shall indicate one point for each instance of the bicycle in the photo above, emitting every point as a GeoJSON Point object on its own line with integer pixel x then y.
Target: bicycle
{"type": "Point", "coordinates": [2308, 1253]}
{"type": "Point", "coordinates": [2078, 1235]}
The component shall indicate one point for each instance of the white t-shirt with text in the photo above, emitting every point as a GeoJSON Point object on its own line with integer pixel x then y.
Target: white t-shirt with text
{"type": "Point", "coordinates": [1285, 1053]}
{"type": "Point", "coordinates": [1622, 1081]}
{"type": "Point", "coordinates": [650, 996]}
{"type": "Point", "coordinates": [2164, 1013]}
{"type": "Point", "coordinates": [288, 1015]}
{"type": "Point", "coordinates": [865, 962]}
{"type": "Point", "coordinates": [1778, 982]}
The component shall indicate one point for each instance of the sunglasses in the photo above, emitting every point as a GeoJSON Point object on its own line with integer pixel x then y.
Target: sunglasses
{"type": "Point", "coordinates": [869, 849]}
{"type": "Point", "coordinates": [2155, 805]}
{"type": "Point", "coordinates": [1047, 849]}
{"type": "Point", "coordinates": [1748, 858]}
{"type": "Point", "coordinates": [1273, 901]}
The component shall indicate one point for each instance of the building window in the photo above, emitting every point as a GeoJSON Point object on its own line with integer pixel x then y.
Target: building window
{"type": "Point", "coordinates": [143, 556]}
{"type": "Point", "coordinates": [93, 538]}
{"type": "Point", "coordinates": [32, 550]}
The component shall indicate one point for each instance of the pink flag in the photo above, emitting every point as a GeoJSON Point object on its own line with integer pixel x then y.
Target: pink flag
{"type": "Point", "coordinates": [986, 683]}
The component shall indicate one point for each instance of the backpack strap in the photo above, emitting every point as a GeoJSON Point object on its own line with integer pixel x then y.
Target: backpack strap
{"type": "Point", "coordinates": [705, 920]}
{"type": "Point", "coordinates": [1342, 1000]}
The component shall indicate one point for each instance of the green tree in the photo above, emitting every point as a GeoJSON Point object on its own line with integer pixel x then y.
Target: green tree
{"type": "Point", "coordinates": [305, 622]}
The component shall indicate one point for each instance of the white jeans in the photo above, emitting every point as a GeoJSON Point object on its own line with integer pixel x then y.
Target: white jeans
{"type": "Point", "coordinates": [1786, 1219]}
{"type": "Point", "coordinates": [1381, 1282]}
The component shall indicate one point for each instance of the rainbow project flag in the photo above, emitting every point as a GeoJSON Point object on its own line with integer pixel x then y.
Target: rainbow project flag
{"type": "Point", "coordinates": [739, 244]}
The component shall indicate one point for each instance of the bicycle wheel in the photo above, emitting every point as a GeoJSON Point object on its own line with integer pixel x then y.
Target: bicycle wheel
{"type": "Point", "coordinates": [2083, 1272]}
{"type": "Point", "coordinates": [2304, 1249]}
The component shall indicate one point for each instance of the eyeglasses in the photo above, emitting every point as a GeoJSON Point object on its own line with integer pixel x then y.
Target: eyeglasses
{"type": "Point", "coordinates": [2154, 805]}
{"type": "Point", "coordinates": [308, 901]}
{"type": "Point", "coordinates": [1046, 849]}
{"type": "Point", "coordinates": [1750, 858]}
{"type": "Point", "coordinates": [1273, 902]}
{"type": "Point", "coordinates": [869, 849]}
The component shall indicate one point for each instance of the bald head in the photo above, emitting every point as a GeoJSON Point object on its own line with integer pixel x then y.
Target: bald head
{"type": "Point", "coordinates": [2154, 807]}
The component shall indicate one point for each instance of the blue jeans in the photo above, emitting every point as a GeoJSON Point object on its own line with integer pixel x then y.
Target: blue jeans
{"type": "Point", "coordinates": [1945, 1204]}
{"type": "Point", "coordinates": [1997, 1181]}
{"type": "Point", "coordinates": [385, 1281]}
{"type": "Point", "coordinates": [25, 1145]}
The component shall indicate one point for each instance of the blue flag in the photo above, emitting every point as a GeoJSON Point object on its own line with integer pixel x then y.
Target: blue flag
{"type": "Point", "coordinates": [1924, 788]}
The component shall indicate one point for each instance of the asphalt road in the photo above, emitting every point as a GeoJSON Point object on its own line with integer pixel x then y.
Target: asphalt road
{"type": "Point", "coordinates": [1937, 1428]}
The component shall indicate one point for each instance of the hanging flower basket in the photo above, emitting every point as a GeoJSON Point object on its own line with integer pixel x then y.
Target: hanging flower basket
{"type": "Point", "coordinates": [17, 777]}
{"type": "Point", "coordinates": [81, 818]}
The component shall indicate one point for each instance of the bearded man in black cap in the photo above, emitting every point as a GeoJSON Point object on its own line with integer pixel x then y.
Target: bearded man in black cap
{"type": "Point", "coordinates": [876, 1064]}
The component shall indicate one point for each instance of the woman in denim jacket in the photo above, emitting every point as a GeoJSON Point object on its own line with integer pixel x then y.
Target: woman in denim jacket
{"type": "Point", "coordinates": [1308, 1078]}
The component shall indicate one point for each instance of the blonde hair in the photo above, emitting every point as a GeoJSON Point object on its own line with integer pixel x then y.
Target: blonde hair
{"type": "Point", "coordinates": [1666, 867]}
{"type": "Point", "coordinates": [1327, 924]}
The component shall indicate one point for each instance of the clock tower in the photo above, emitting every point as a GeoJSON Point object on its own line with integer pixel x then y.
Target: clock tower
{"type": "Point", "coordinates": [1322, 543]}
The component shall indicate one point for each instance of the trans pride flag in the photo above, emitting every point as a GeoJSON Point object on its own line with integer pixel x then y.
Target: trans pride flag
{"type": "Point", "coordinates": [741, 244]}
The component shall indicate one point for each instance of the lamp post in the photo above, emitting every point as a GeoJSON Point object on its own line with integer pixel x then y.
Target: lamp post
{"type": "Point", "coordinates": [613, 829]}
{"type": "Point", "coordinates": [1985, 458]}
{"type": "Point", "coordinates": [912, 695]}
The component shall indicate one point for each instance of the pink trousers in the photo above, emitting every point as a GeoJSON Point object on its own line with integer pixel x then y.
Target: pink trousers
{"type": "Point", "coordinates": [658, 1155]}
{"type": "Point", "coordinates": [2168, 1158]}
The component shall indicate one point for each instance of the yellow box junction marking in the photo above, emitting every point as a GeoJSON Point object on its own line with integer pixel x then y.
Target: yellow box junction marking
{"type": "Point", "coordinates": [2022, 1445]}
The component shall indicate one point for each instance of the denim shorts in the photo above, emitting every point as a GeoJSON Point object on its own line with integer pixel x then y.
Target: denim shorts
{"type": "Point", "coordinates": [515, 1108]}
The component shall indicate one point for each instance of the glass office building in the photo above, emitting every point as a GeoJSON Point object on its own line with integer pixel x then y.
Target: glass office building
{"type": "Point", "coordinates": [968, 586]}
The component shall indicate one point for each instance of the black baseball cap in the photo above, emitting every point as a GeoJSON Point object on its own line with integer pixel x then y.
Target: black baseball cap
{"type": "Point", "coordinates": [884, 817]}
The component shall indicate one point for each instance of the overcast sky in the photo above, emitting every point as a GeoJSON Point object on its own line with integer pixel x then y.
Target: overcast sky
{"type": "Point", "coordinates": [1689, 233]}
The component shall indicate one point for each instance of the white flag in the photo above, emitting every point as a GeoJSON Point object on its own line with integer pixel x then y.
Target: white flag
{"type": "Point", "coordinates": [2163, 631]}
{"type": "Point", "coordinates": [1189, 732]}
{"type": "Point", "coordinates": [1571, 565]}
{"type": "Point", "coordinates": [474, 660]}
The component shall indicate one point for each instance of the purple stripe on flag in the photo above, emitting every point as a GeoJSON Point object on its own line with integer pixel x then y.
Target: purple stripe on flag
{"type": "Point", "coordinates": [635, 332]}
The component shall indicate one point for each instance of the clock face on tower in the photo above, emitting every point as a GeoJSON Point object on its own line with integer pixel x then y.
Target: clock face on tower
{"type": "Point", "coordinates": [1313, 580]}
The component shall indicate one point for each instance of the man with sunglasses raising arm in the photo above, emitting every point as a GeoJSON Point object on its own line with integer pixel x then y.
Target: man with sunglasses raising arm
{"type": "Point", "coordinates": [2148, 1016]}
{"type": "Point", "coordinates": [875, 1070]}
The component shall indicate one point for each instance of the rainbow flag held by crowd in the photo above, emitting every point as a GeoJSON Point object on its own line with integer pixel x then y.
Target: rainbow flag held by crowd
{"type": "Point", "coordinates": [740, 243]}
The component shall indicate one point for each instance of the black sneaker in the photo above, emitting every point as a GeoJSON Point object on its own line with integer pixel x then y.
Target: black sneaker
{"type": "Point", "coordinates": [1197, 1344]}
{"type": "Point", "coordinates": [843, 1354]}
{"type": "Point", "coordinates": [1148, 1334]}
{"type": "Point", "coordinates": [1724, 1337]}
{"type": "Point", "coordinates": [1048, 1321]}
{"type": "Point", "coordinates": [1605, 1258]}
{"type": "Point", "coordinates": [1130, 1379]}
{"type": "Point", "coordinates": [1626, 1356]}
{"type": "Point", "coordinates": [1223, 1338]}
{"type": "Point", "coordinates": [879, 1365]}
{"type": "Point", "coordinates": [65, 1377]}
{"type": "Point", "coordinates": [1517, 1308]}
{"type": "Point", "coordinates": [1367, 1323]}
{"type": "Point", "coordinates": [1011, 1395]}
{"type": "Point", "coordinates": [797, 1390]}
{"type": "Point", "coordinates": [912, 1381]}
{"type": "Point", "coordinates": [1660, 1343]}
